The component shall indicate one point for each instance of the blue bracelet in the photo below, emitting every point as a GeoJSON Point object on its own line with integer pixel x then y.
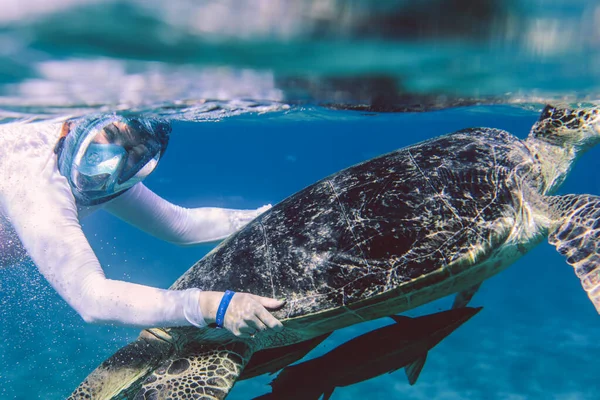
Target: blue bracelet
{"type": "Point", "coordinates": [223, 307]}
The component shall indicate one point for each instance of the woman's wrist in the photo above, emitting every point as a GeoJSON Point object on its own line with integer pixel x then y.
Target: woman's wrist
{"type": "Point", "coordinates": [191, 309]}
{"type": "Point", "coordinates": [208, 303]}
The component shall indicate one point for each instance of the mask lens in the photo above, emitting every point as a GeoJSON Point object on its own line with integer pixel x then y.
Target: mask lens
{"type": "Point", "coordinates": [104, 157]}
{"type": "Point", "coordinates": [138, 157]}
{"type": "Point", "coordinates": [92, 183]}
{"type": "Point", "coordinates": [98, 163]}
{"type": "Point", "coordinates": [140, 175]}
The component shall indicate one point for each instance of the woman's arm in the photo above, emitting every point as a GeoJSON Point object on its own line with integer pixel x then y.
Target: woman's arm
{"type": "Point", "coordinates": [43, 213]}
{"type": "Point", "coordinates": [142, 208]}
{"type": "Point", "coordinates": [47, 223]}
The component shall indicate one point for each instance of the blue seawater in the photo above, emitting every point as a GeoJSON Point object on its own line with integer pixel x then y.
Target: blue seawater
{"type": "Point", "coordinates": [267, 97]}
{"type": "Point", "coordinates": [536, 337]}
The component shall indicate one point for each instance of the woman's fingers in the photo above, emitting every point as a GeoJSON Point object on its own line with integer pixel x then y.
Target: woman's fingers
{"type": "Point", "coordinates": [247, 314]}
{"type": "Point", "coordinates": [269, 303]}
{"type": "Point", "coordinates": [246, 331]}
{"type": "Point", "coordinates": [269, 320]}
{"type": "Point", "coordinates": [257, 324]}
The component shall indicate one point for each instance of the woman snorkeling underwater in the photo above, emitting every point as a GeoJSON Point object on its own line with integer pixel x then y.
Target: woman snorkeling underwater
{"type": "Point", "coordinates": [53, 175]}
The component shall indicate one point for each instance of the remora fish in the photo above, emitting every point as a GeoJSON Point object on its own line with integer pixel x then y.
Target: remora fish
{"type": "Point", "coordinates": [401, 345]}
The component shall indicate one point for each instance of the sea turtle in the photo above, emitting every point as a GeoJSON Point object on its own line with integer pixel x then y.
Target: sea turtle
{"type": "Point", "coordinates": [376, 239]}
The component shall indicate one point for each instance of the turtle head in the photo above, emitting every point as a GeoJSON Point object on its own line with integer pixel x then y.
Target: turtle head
{"type": "Point", "coordinates": [577, 129]}
{"type": "Point", "coordinates": [559, 137]}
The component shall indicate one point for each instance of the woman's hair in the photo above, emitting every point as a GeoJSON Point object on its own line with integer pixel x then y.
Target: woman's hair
{"type": "Point", "coordinates": [132, 132]}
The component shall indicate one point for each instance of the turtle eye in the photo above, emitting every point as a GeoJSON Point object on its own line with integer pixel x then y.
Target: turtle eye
{"type": "Point", "coordinates": [547, 112]}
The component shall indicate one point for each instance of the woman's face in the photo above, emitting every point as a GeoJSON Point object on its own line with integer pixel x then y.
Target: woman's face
{"type": "Point", "coordinates": [122, 134]}
{"type": "Point", "coordinates": [134, 141]}
{"type": "Point", "coordinates": [115, 133]}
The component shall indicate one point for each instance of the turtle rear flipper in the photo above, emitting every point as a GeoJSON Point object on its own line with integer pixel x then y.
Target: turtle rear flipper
{"type": "Point", "coordinates": [206, 371]}
{"type": "Point", "coordinates": [463, 298]}
{"type": "Point", "coordinates": [577, 237]}
{"type": "Point", "coordinates": [121, 374]}
{"type": "Point", "coordinates": [154, 367]}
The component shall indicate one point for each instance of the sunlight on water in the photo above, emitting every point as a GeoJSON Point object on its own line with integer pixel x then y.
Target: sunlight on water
{"type": "Point", "coordinates": [66, 57]}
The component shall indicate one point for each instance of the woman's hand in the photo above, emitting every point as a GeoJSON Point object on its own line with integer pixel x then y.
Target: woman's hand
{"type": "Point", "coordinates": [246, 314]}
{"type": "Point", "coordinates": [240, 218]}
{"type": "Point", "coordinates": [262, 209]}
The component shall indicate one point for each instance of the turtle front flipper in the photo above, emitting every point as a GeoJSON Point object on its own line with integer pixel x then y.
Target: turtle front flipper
{"type": "Point", "coordinates": [198, 371]}
{"type": "Point", "coordinates": [577, 236]}
{"type": "Point", "coordinates": [122, 374]}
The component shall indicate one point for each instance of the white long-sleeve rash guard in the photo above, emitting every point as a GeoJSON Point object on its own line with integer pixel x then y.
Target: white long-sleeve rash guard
{"type": "Point", "coordinates": [38, 201]}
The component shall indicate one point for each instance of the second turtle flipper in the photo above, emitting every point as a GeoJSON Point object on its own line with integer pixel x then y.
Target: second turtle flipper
{"type": "Point", "coordinates": [119, 376]}
{"type": "Point", "coordinates": [577, 237]}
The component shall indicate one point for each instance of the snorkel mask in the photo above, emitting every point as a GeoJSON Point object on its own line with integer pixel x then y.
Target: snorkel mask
{"type": "Point", "coordinates": [102, 157]}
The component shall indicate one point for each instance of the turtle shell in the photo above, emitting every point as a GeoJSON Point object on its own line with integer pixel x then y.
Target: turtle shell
{"type": "Point", "coordinates": [378, 231]}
